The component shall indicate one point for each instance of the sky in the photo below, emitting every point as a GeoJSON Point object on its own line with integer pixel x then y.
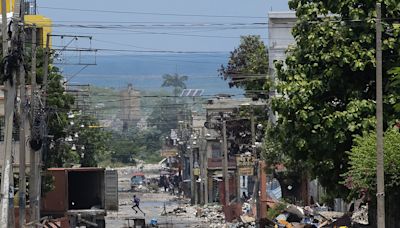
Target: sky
{"type": "Point", "coordinates": [159, 25]}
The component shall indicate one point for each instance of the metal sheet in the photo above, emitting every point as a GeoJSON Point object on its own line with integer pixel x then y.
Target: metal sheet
{"type": "Point", "coordinates": [111, 190]}
{"type": "Point", "coordinates": [56, 201]}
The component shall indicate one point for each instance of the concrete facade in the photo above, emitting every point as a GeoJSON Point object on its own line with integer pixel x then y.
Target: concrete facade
{"type": "Point", "coordinates": [280, 36]}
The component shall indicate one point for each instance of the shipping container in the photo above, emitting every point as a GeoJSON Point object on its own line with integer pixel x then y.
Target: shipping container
{"type": "Point", "coordinates": [82, 194]}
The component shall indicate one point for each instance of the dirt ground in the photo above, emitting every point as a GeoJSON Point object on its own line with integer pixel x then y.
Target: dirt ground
{"type": "Point", "coordinates": [152, 204]}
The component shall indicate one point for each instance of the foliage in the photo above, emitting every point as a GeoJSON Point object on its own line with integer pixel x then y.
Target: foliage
{"type": "Point", "coordinates": [58, 151]}
{"type": "Point", "coordinates": [123, 149]}
{"type": "Point", "coordinates": [58, 104]}
{"type": "Point", "coordinates": [165, 115]}
{"type": "Point", "coordinates": [175, 81]}
{"type": "Point", "coordinates": [136, 144]}
{"type": "Point", "coordinates": [361, 175]}
{"type": "Point", "coordinates": [272, 213]}
{"type": "Point", "coordinates": [394, 81]}
{"type": "Point", "coordinates": [162, 113]}
{"type": "Point", "coordinates": [92, 143]}
{"type": "Point", "coordinates": [327, 83]}
{"type": "Point", "coordinates": [248, 64]}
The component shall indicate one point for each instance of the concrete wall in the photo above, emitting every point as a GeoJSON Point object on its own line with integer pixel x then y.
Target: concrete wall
{"type": "Point", "coordinates": [43, 25]}
{"type": "Point", "coordinates": [280, 26]}
{"type": "Point", "coordinates": [280, 36]}
{"type": "Point", "coordinates": [9, 6]}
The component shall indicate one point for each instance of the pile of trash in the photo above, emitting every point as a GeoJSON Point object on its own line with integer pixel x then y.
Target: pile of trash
{"type": "Point", "coordinates": [316, 216]}
{"type": "Point", "coordinates": [176, 211]}
{"type": "Point", "coordinates": [245, 221]}
{"type": "Point", "coordinates": [141, 188]}
{"type": "Point", "coordinates": [212, 214]}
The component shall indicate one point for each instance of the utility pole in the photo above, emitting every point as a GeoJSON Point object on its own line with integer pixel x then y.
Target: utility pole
{"type": "Point", "coordinates": [205, 170]}
{"type": "Point", "coordinates": [6, 166]}
{"type": "Point", "coordinates": [257, 177]}
{"type": "Point", "coordinates": [22, 134]}
{"type": "Point", "coordinates": [37, 166]}
{"type": "Point", "coordinates": [380, 194]}
{"type": "Point", "coordinates": [192, 181]}
{"type": "Point", "coordinates": [225, 163]}
{"type": "Point", "coordinates": [202, 158]}
{"type": "Point", "coordinates": [33, 175]}
{"type": "Point", "coordinates": [7, 188]}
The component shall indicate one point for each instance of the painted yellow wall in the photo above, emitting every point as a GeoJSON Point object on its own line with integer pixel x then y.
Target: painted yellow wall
{"type": "Point", "coordinates": [43, 25]}
{"type": "Point", "coordinates": [10, 6]}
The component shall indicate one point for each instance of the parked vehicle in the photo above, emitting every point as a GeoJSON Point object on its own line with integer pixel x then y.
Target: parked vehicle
{"type": "Point", "coordinates": [83, 195]}
{"type": "Point", "coordinates": [137, 179]}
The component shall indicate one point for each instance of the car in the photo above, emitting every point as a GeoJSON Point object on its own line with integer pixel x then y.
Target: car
{"type": "Point", "coordinates": [137, 179]}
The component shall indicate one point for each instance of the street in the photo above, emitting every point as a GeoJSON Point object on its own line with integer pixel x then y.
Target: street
{"type": "Point", "coordinates": [232, 114]}
{"type": "Point", "coordinates": [152, 205]}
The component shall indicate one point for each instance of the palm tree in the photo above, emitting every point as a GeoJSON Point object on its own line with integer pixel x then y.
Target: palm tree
{"type": "Point", "coordinates": [176, 81]}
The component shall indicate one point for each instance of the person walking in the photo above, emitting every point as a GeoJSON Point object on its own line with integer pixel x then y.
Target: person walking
{"type": "Point", "coordinates": [136, 203]}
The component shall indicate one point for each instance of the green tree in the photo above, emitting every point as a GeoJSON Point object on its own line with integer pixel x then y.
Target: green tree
{"type": "Point", "coordinates": [136, 144]}
{"type": "Point", "coordinates": [394, 86]}
{"type": "Point", "coordinates": [92, 143]}
{"type": "Point", "coordinates": [176, 81]}
{"type": "Point", "coordinates": [165, 115]}
{"type": "Point", "coordinates": [247, 67]}
{"type": "Point", "coordinates": [58, 104]}
{"type": "Point", "coordinates": [327, 83]}
{"type": "Point", "coordinates": [361, 175]}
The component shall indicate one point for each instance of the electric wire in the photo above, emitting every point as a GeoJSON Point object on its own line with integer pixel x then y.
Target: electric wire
{"type": "Point", "coordinates": [148, 13]}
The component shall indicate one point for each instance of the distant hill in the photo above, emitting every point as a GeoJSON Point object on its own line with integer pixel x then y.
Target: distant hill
{"type": "Point", "coordinates": [145, 71]}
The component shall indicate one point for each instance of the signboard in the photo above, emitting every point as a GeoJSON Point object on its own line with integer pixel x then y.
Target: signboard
{"type": "Point", "coordinates": [246, 171]}
{"type": "Point", "coordinates": [244, 161]}
{"type": "Point", "coordinates": [169, 153]}
{"type": "Point", "coordinates": [245, 165]}
{"type": "Point", "coordinates": [196, 171]}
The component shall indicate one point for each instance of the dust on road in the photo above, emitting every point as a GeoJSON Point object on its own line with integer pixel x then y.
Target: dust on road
{"type": "Point", "coordinates": [152, 204]}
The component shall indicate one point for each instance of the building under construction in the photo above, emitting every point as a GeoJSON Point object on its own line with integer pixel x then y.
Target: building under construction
{"type": "Point", "coordinates": [130, 107]}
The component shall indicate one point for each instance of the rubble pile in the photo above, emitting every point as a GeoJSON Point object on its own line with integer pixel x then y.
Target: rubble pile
{"type": "Point", "coordinates": [361, 215]}
{"type": "Point", "coordinates": [246, 221]}
{"type": "Point", "coordinates": [294, 216]}
{"type": "Point", "coordinates": [212, 214]}
{"type": "Point", "coordinates": [141, 188]}
{"type": "Point", "coordinates": [176, 212]}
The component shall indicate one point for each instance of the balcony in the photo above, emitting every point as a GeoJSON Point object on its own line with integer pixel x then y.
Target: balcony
{"type": "Point", "coordinates": [216, 163]}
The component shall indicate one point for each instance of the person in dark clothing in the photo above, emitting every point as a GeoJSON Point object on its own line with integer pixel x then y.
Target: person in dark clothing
{"type": "Point", "coordinates": [136, 202]}
{"type": "Point", "coordinates": [244, 196]}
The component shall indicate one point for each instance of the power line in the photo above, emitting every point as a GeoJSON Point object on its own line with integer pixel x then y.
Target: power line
{"type": "Point", "coordinates": [158, 77]}
{"type": "Point", "coordinates": [149, 13]}
{"type": "Point", "coordinates": [131, 50]}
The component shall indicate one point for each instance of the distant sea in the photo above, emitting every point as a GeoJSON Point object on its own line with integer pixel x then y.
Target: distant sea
{"type": "Point", "coordinates": [145, 71]}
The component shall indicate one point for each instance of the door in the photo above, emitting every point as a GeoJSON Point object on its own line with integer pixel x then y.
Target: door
{"type": "Point", "coordinates": [111, 190]}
